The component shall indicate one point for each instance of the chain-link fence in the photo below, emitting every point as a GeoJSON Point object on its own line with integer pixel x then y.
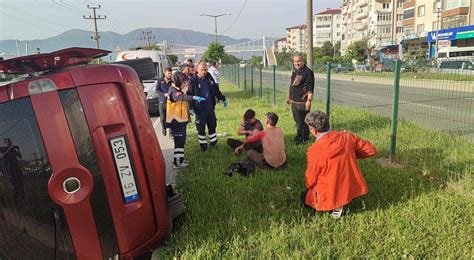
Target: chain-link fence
{"type": "Point", "coordinates": [435, 97]}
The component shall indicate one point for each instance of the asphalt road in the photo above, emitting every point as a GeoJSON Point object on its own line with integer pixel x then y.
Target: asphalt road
{"type": "Point", "coordinates": [443, 105]}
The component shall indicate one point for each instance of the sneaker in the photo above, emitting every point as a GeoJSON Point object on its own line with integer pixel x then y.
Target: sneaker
{"type": "Point", "coordinates": [203, 147]}
{"type": "Point", "coordinates": [338, 213]}
{"type": "Point", "coordinates": [180, 165]}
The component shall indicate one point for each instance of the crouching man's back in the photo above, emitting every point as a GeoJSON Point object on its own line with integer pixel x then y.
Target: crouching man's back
{"type": "Point", "coordinates": [332, 177]}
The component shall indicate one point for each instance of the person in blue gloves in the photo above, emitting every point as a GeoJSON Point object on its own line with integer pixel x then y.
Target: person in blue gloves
{"type": "Point", "coordinates": [203, 85]}
{"type": "Point", "coordinates": [177, 115]}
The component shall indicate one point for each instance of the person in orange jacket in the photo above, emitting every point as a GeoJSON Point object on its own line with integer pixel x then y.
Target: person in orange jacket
{"type": "Point", "coordinates": [333, 178]}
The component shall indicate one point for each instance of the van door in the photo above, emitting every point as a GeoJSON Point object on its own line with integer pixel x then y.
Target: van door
{"type": "Point", "coordinates": [114, 138]}
{"type": "Point", "coordinates": [32, 226]}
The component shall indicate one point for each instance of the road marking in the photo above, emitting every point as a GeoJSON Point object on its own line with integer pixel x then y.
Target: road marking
{"type": "Point", "coordinates": [156, 123]}
{"type": "Point", "coordinates": [423, 105]}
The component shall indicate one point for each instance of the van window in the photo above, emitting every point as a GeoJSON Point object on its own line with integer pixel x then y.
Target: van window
{"type": "Point", "coordinates": [32, 226]}
{"type": "Point", "coordinates": [88, 158]}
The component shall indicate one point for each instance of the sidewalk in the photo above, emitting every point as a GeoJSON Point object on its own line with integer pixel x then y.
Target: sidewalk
{"type": "Point", "coordinates": [167, 148]}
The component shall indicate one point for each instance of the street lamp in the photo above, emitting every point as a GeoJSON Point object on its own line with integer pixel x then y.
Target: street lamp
{"type": "Point", "coordinates": [215, 20]}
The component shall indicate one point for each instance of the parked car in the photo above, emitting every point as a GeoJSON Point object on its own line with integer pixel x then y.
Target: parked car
{"type": "Point", "coordinates": [100, 191]}
{"type": "Point", "coordinates": [147, 74]}
{"type": "Point", "coordinates": [457, 65]}
{"type": "Point", "coordinates": [341, 70]}
{"type": "Point", "coordinates": [388, 66]}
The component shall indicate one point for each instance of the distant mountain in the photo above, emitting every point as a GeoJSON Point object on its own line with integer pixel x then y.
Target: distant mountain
{"type": "Point", "coordinates": [112, 40]}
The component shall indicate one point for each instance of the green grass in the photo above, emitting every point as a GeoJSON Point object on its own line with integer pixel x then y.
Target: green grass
{"type": "Point", "coordinates": [408, 212]}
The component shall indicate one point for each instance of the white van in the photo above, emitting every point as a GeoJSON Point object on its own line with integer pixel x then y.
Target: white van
{"type": "Point", "coordinates": [159, 58]}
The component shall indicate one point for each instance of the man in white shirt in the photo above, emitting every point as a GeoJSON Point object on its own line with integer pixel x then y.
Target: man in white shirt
{"type": "Point", "coordinates": [214, 72]}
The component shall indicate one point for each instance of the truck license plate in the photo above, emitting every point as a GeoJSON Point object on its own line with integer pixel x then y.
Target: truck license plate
{"type": "Point", "coordinates": [124, 168]}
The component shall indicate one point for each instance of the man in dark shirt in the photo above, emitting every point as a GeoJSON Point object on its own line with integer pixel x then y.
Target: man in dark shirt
{"type": "Point", "coordinates": [300, 96]}
{"type": "Point", "coordinates": [247, 127]}
{"type": "Point", "coordinates": [163, 87]}
{"type": "Point", "coordinates": [203, 85]}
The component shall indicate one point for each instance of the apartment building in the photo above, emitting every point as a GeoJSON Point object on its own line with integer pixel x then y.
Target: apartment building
{"type": "Point", "coordinates": [420, 17]}
{"type": "Point", "coordinates": [380, 22]}
{"type": "Point", "coordinates": [457, 13]}
{"type": "Point", "coordinates": [296, 38]}
{"type": "Point", "coordinates": [327, 27]}
{"type": "Point", "coordinates": [281, 45]}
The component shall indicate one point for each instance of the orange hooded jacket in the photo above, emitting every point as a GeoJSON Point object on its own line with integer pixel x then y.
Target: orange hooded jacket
{"type": "Point", "coordinates": [332, 176]}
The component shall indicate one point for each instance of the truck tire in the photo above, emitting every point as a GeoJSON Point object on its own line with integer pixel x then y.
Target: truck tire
{"type": "Point", "coordinates": [144, 67]}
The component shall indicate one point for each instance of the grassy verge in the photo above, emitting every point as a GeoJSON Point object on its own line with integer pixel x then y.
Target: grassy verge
{"type": "Point", "coordinates": [405, 213]}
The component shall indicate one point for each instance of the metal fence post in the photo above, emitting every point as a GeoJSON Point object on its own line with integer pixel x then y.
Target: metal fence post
{"type": "Point", "coordinates": [251, 79]}
{"type": "Point", "coordinates": [234, 70]}
{"type": "Point", "coordinates": [238, 76]}
{"type": "Point", "coordinates": [245, 78]}
{"type": "Point", "coordinates": [396, 92]}
{"type": "Point", "coordinates": [274, 84]}
{"type": "Point", "coordinates": [260, 93]}
{"type": "Point", "coordinates": [328, 88]}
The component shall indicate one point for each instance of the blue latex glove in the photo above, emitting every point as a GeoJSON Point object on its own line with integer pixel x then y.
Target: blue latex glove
{"type": "Point", "coordinates": [226, 104]}
{"type": "Point", "coordinates": [199, 99]}
{"type": "Point", "coordinates": [191, 112]}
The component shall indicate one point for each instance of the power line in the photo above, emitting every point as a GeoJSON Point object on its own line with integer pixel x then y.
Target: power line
{"type": "Point", "coordinates": [40, 18]}
{"type": "Point", "coordinates": [237, 17]}
{"type": "Point", "coordinates": [66, 7]}
{"type": "Point", "coordinates": [30, 23]}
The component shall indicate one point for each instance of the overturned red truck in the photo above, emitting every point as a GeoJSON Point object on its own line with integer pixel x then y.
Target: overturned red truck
{"type": "Point", "coordinates": [81, 170]}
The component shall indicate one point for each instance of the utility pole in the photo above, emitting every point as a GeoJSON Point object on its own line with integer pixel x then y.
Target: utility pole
{"type": "Point", "coordinates": [438, 25]}
{"type": "Point", "coordinates": [95, 35]}
{"type": "Point", "coordinates": [309, 33]}
{"type": "Point", "coordinates": [147, 36]}
{"type": "Point", "coordinates": [215, 21]}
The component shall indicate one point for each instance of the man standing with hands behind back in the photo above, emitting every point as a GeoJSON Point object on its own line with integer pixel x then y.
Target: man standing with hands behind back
{"type": "Point", "coordinates": [300, 96]}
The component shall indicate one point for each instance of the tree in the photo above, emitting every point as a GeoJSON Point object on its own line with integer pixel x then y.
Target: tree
{"type": "Point", "coordinates": [337, 48]}
{"type": "Point", "coordinates": [215, 52]}
{"type": "Point", "coordinates": [327, 49]}
{"type": "Point", "coordinates": [229, 59]}
{"type": "Point", "coordinates": [256, 60]}
{"type": "Point", "coordinates": [173, 59]}
{"type": "Point", "coordinates": [357, 50]}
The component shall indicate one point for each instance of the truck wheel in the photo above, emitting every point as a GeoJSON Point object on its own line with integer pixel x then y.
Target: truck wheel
{"type": "Point", "coordinates": [144, 67]}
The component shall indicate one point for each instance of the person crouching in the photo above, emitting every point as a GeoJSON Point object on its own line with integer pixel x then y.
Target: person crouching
{"type": "Point", "coordinates": [333, 178]}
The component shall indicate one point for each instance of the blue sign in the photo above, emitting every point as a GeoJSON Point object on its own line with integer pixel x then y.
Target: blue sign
{"type": "Point", "coordinates": [448, 34]}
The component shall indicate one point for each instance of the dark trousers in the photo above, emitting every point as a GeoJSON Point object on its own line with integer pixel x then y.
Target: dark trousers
{"type": "Point", "coordinates": [162, 109]}
{"type": "Point", "coordinates": [303, 199]}
{"type": "Point", "coordinates": [179, 133]}
{"type": "Point", "coordinates": [208, 119]}
{"type": "Point", "coordinates": [257, 146]}
{"type": "Point", "coordinates": [299, 113]}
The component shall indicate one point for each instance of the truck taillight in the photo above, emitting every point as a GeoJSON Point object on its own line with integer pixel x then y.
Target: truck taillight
{"type": "Point", "coordinates": [41, 86]}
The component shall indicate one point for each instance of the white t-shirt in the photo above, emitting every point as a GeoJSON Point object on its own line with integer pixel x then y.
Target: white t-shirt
{"type": "Point", "coordinates": [214, 73]}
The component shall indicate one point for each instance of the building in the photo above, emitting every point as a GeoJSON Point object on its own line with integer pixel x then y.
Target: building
{"type": "Point", "coordinates": [327, 27]}
{"type": "Point", "coordinates": [296, 38]}
{"type": "Point", "coordinates": [377, 21]}
{"type": "Point", "coordinates": [281, 45]}
{"type": "Point", "coordinates": [459, 38]}
{"type": "Point", "coordinates": [457, 13]}
{"type": "Point", "coordinates": [420, 17]}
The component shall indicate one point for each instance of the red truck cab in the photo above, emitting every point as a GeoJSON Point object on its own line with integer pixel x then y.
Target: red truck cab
{"type": "Point", "coordinates": [81, 170]}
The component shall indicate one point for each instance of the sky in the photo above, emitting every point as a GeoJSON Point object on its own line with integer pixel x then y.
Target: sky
{"type": "Point", "coordinates": [40, 19]}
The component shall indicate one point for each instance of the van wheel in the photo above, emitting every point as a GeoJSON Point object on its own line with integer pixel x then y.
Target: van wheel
{"type": "Point", "coordinates": [144, 67]}
{"type": "Point", "coordinates": [176, 205]}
